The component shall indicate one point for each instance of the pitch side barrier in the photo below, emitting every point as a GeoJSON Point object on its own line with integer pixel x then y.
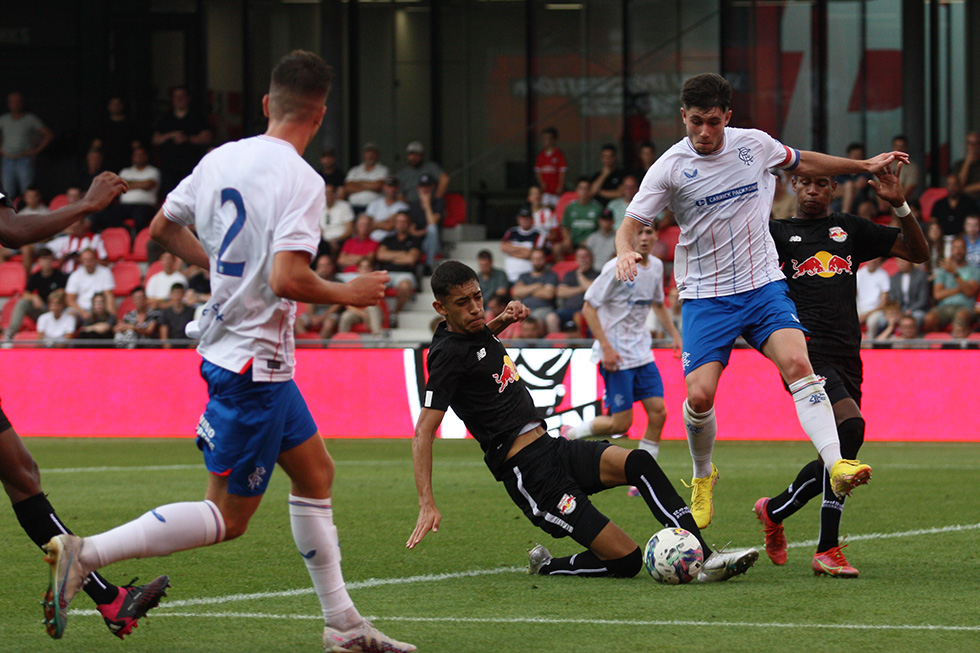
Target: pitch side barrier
{"type": "Point", "coordinates": [371, 389]}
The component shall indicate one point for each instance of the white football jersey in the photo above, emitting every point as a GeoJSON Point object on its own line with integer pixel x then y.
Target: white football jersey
{"type": "Point", "coordinates": [622, 307]}
{"type": "Point", "coordinates": [248, 200]}
{"type": "Point", "coordinates": [721, 202]}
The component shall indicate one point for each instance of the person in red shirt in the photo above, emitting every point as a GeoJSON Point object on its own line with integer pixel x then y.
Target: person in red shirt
{"type": "Point", "coordinates": [359, 245]}
{"type": "Point", "coordinates": [550, 167]}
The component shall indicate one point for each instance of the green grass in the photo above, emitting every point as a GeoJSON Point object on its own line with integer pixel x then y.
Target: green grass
{"type": "Point", "coordinates": [924, 580]}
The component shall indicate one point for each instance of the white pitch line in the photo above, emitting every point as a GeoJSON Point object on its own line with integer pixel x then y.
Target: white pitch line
{"type": "Point", "coordinates": [888, 536]}
{"type": "Point", "coordinates": [200, 466]}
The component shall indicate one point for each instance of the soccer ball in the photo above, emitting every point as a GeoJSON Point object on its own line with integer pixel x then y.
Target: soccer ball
{"type": "Point", "coordinates": [673, 556]}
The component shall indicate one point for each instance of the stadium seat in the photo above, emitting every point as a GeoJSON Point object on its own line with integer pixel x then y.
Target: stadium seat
{"type": "Point", "coordinates": [8, 312]}
{"type": "Point", "coordinates": [974, 336]}
{"type": "Point", "coordinates": [561, 268]}
{"type": "Point", "coordinates": [117, 243]}
{"type": "Point", "coordinates": [360, 327]}
{"type": "Point", "coordinates": [455, 210]}
{"type": "Point", "coordinates": [564, 200]}
{"type": "Point", "coordinates": [155, 266]}
{"type": "Point", "coordinates": [558, 339]}
{"type": "Point", "coordinates": [125, 306]}
{"type": "Point", "coordinates": [128, 277]}
{"type": "Point", "coordinates": [938, 335]}
{"type": "Point", "coordinates": [890, 265]}
{"type": "Point", "coordinates": [929, 197]}
{"type": "Point", "coordinates": [13, 278]}
{"type": "Point", "coordinates": [57, 202]}
{"type": "Point", "coordinates": [349, 336]}
{"type": "Point", "coordinates": [27, 335]}
{"type": "Point", "coordinates": [669, 237]}
{"type": "Point", "coordinates": [139, 246]}
{"type": "Point", "coordinates": [308, 340]}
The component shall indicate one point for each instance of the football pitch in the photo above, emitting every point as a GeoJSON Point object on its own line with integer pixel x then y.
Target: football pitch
{"type": "Point", "coordinates": [914, 534]}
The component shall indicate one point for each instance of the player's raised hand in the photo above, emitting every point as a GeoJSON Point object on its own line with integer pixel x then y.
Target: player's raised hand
{"type": "Point", "coordinates": [429, 518]}
{"type": "Point", "coordinates": [515, 312]}
{"type": "Point", "coordinates": [368, 289]}
{"type": "Point", "coordinates": [887, 185]}
{"type": "Point", "coordinates": [626, 266]}
{"type": "Point", "coordinates": [105, 188]}
{"type": "Point", "coordinates": [877, 163]}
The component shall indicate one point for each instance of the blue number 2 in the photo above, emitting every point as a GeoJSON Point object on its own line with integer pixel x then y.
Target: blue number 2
{"type": "Point", "coordinates": [224, 267]}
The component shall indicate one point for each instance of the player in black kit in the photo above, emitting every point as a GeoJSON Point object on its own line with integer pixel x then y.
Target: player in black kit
{"type": "Point", "coordinates": [119, 606]}
{"type": "Point", "coordinates": [820, 254]}
{"type": "Point", "coordinates": [550, 479]}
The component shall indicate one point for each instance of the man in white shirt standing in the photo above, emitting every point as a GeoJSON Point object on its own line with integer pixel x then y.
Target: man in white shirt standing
{"type": "Point", "coordinates": [336, 222]}
{"type": "Point", "coordinates": [363, 182]}
{"type": "Point", "coordinates": [873, 284]}
{"type": "Point", "coordinates": [140, 202]}
{"type": "Point", "coordinates": [717, 182]}
{"type": "Point", "coordinates": [255, 204]}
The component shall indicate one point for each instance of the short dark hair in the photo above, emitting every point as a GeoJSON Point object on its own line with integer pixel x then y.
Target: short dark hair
{"type": "Point", "coordinates": [587, 179]}
{"type": "Point", "coordinates": [649, 144]}
{"type": "Point", "coordinates": [484, 254]}
{"type": "Point", "coordinates": [552, 131]}
{"type": "Point", "coordinates": [707, 91]}
{"type": "Point", "coordinates": [609, 146]}
{"type": "Point", "coordinates": [300, 83]}
{"type": "Point", "coordinates": [856, 145]}
{"type": "Point", "coordinates": [450, 274]}
{"type": "Point", "coordinates": [44, 251]}
{"type": "Point", "coordinates": [178, 286]}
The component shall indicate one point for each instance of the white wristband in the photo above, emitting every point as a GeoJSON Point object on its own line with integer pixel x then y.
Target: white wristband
{"type": "Point", "coordinates": [903, 210]}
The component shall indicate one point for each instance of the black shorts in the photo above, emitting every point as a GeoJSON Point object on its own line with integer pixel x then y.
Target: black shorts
{"type": "Point", "coordinates": [844, 375]}
{"type": "Point", "coordinates": [551, 480]}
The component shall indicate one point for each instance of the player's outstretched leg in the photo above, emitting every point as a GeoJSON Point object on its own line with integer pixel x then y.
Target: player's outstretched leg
{"type": "Point", "coordinates": [131, 604]}
{"type": "Point", "coordinates": [829, 558]}
{"type": "Point", "coordinates": [63, 554]}
{"type": "Point", "coordinates": [701, 430]}
{"type": "Point", "coordinates": [722, 565]}
{"type": "Point", "coordinates": [775, 536]}
{"type": "Point", "coordinates": [586, 564]}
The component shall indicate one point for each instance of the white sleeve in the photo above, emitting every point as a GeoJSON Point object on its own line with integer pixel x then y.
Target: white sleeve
{"type": "Point", "coordinates": [299, 229]}
{"type": "Point", "coordinates": [603, 286]}
{"type": "Point", "coordinates": [108, 281]}
{"type": "Point", "coordinates": [778, 155]}
{"type": "Point", "coordinates": [654, 194]}
{"type": "Point", "coordinates": [180, 202]}
{"type": "Point", "coordinates": [99, 246]}
{"type": "Point", "coordinates": [71, 287]}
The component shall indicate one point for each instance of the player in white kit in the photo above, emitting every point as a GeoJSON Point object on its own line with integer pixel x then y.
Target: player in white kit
{"type": "Point", "coordinates": [718, 183]}
{"type": "Point", "coordinates": [255, 204]}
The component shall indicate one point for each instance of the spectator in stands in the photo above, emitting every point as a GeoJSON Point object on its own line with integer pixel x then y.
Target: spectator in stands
{"type": "Point", "coordinates": [139, 203]}
{"type": "Point", "coordinates": [550, 167]}
{"type": "Point", "coordinates": [89, 280]}
{"type": "Point", "coordinates": [117, 136]}
{"type": "Point", "coordinates": [40, 285]}
{"type": "Point", "coordinates": [647, 154]}
{"type": "Point", "coordinates": [383, 209]}
{"type": "Point", "coordinates": [868, 209]}
{"type": "Point", "coordinates": [426, 213]}
{"type": "Point", "coordinates": [320, 318]}
{"type": "Point", "coordinates": [336, 223]}
{"type": "Point", "coordinates": [546, 221]}
{"type": "Point", "coordinates": [903, 328]}
{"type": "Point", "coordinates": [955, 290]}
{"type": "Point", "coordinates": [493, 281]}
{"type": "Point", "coordinates": [960, 329]}
{"type": "Point", "coordinates": [852, 189]}
{"type": "Point", "coordinates": [538, 290]}
{"type": "Point", "coordinates": [358, 246]}
{"type": "Point", "coordinates": [371, 316]}
{"type": "Point", "coordinates": [331, 171]}
{"type": "Point", "coordinates": [581, 217]}
{"type": "Point", "coordinates": [198, 286]}
{"type": "Point", "coordinates": [364, 182]}
{"type": "Point", "coordinates": [909, 290]}
{"type": "Point", "coordinates": [909, 175]}
{"type": "Point", "coordinates": [181, 136]}
{"type": "Point", "coordinates": [399, 254]}
{"type": "Point", "coordinates": [33, 202]}
{"type": "Point", "coordinates": [951, 211]}
{"type": "Point", "coordinates": [937, 247]}
{"type": "Point", "coordinates": [68, 247]}
{"type": "Point", "coordinates": [517, 243]}
{"type": "Point", "coordinates": [57, 325]}
{"type": "Point", "coordinates": [92, 167]}
{"type": "Point", "coordinates": [607, 184]}
{"type": "Point", "coordinates": [971, 238]}
{"type": "Point", "coordinates": [532, 329]}
{"type": "Point", "coordinates": [873, 283]}
{"type": "Point", "coordinates": [175, 315]}
{"type": "Point", "coordinates": [158, 286]}
{"type": "Point", "coordinates": [784, 201]}
{"type": "Point", "coordinates": [602, 242]}
{"type": "Point", "coordinates": [410, 176]}
{"type": "Point", "coordinates": [22, 137]}
{"type": "Point", "coordinates": [100, 323]}
{"type": "Point", "coordinates": [673, 305]}
{"type": "Point", "coordinates": [571, 290]}
{"type": "Point", "coordinates": [631, 184]}
{"type": "Point", "coordinates": [141, 323]}
{"type": "Point", "coordinates": [967, 169]}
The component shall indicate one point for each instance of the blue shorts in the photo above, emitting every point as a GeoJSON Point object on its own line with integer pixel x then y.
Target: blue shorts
{"type": "Point", "coordinates": [247, 424]}
{"type": "Point", "coordinates": [623, 387]}
{"type": "Point", "coordinates": [712, 324]}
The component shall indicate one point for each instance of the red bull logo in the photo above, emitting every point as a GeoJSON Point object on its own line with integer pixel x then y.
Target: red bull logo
{"type": "Point", "coordinates": [837, 234]}
{"type": "Point", "coordinates": [823, 264]}
{"type": "Point", "coordinates": [508, 373]}
{"type": "Point", "coordinates": [567, 504]}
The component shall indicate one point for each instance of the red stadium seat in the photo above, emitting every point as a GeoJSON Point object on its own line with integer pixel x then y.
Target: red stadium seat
{"type": "Point", "coordinates": [929, 197]}
{"type": "Point", "coordinates": [561, 268]}
{"type": "Point", "coordinates": [13, 278]}
{"type": "Point", "coordinates": [361, 327]}
{"type": "Point", "coordinates": [57, 202]}
{"type": "Point", "coordinates": [455, 210]}
{"type": "Point", "coordinates": [117, 243]}
{"type": "Point", "coordinates": [155, 266]}
{"type": "Point", "coordinates": [128, 277]}
{"type": "Point", "coordinates": [308, 340]}
{"type": "Point", "coordinates": [564, 200]}
{"type": "Point", "coordinates": [890, 265]}
{"type": "Point", "coordinates": [139, 246]}
{"type": "Point", "coordinates": [669, 237]}
{"type": "Point", "coordinates": [8, 312]}
{"type": "Point", "coordinates": [125, 306]}
{"type": "Point", "coordinates": [346, 337]}
{"type": "Point", "coordinates": [27, 335]}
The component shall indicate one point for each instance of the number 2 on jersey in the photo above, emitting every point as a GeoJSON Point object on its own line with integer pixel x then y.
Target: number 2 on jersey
{"type": "Point", "coordinates": [224, 267]}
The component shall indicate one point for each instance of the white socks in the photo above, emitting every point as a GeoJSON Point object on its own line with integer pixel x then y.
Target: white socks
{"type": "Point", "coordinates": [651, 446]}
{"type": "Point", "coordinates": [817, 417]}
{"type": "Point", "coordinates": [316, 537]}
{"type": "Point", "coordinates": [162, 531]}
{"type": "Point", "coordinates": [701, 431]}
{"type": "Point", "coordinates": [582, 430]}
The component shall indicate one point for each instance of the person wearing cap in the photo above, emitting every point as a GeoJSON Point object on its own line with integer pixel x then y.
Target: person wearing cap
{"type": "Point", "coordinates": [602, 243]}
{"type": "Point", "coordinates": [409, 176]}
{"type": "Point", "coordinates": [517, 243]}
{"type": "Point", "coordinates": [426, 213]}
{"type": "Point", "coordinates": [364, 181]}
{"type": "Point", "coordinates": [384, 209]}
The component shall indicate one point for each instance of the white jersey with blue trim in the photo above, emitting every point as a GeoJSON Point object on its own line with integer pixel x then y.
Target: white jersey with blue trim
{"type": "Point", "coordinates": [248, 200]}
{"type": "Point", "coordinates": [622, 307]}
{"type": "Point", "coordinates": [721, 202]}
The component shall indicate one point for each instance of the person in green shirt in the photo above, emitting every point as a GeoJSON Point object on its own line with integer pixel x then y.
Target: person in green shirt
{"type": "Point", "coordinates": [581, 217]}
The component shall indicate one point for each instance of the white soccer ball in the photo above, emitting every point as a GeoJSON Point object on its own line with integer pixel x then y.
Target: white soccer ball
{"type": "Point", "coordinates": [673, 556]}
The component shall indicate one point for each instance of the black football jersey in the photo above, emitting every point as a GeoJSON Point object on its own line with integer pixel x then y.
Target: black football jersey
{"type": "Point", "coordinates": [4, 200]}
{"type": "Point", "coordinates": [820, 259]}
{"type": "Point", "coordinates": [473, 374]}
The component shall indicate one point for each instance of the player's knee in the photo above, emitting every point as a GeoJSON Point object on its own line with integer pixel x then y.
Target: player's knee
{"type": "Point", "coordinates": [795, 367]}
{"type": "Point", "coordinates": [627, 566]}
{"type": "Point", "coordinates": [622, 421]}
{"type": "Point", "coordinates": [234, 527]}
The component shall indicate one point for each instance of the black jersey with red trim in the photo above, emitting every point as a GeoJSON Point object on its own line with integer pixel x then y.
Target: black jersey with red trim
{"type": "Point", "coordinates": [820, 258]}
{"type": "Point", "coordinates": [473, 374]}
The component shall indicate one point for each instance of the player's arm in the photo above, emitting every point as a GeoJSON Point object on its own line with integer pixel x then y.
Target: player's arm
{"type": "Point", "coordinates": [178, 240]}
{"type": "Point", "coordinates": [610, 357]}
{"type": "Point", "coordinates": [663, 316]}
{"type": "Point", "coordinates": [820, 164]}
{"type": "Point", "coordinates": [292, 278]}
{"type": "Point", "coordinates": [425, 433]}
{"type": "Point", "coordinates": [16, 232]}
{"type": "Point", "coordinates": [627, 256]}
{"type": "Point", "coordinates": [911, 242]}
{"type": "Point", "coordinates": [515, 311]}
